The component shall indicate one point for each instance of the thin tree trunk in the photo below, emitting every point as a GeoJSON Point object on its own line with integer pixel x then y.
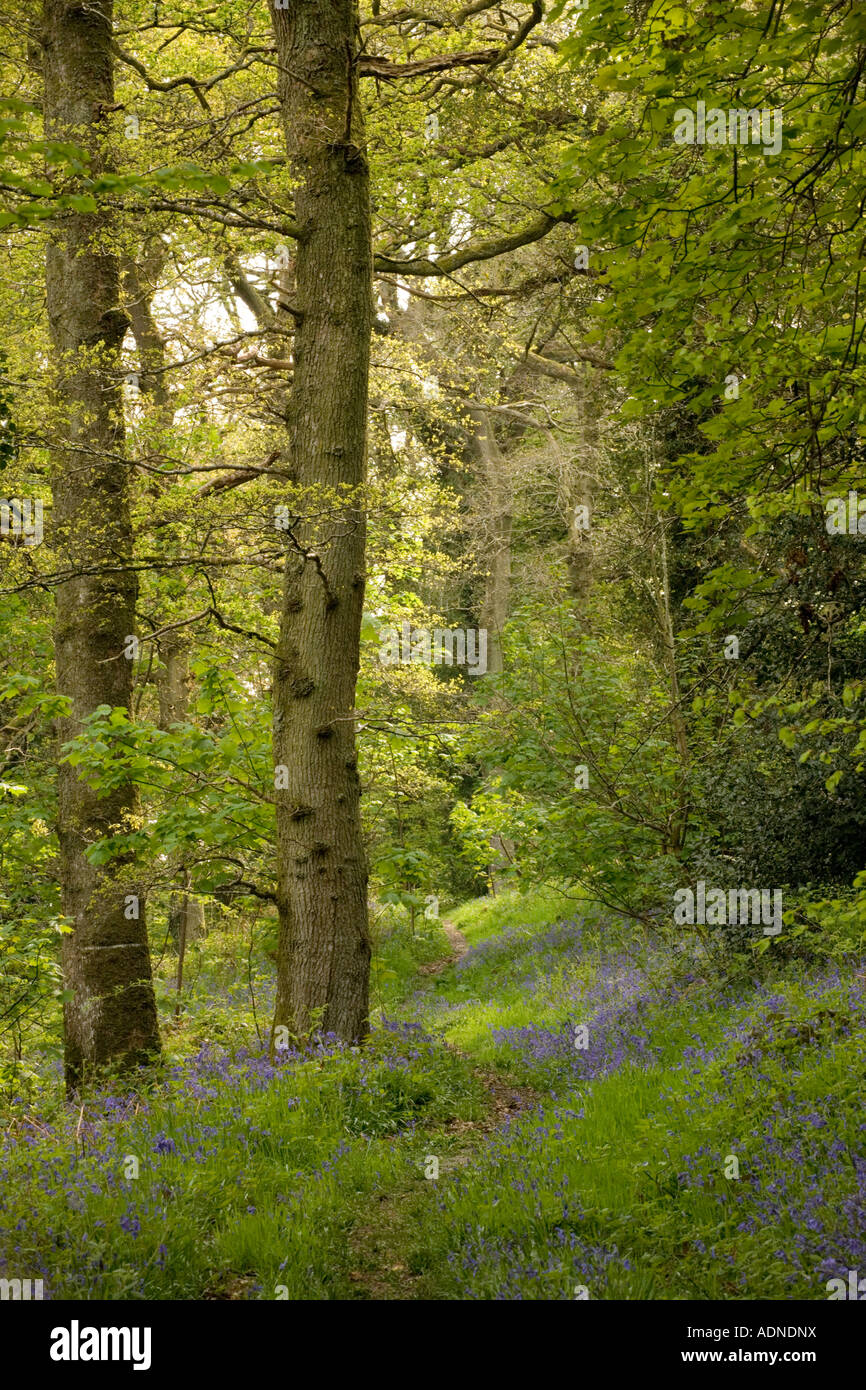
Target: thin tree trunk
{"type": "Point", "coordinates": [324, 946]}
{"type": "Point", "coordinates": [106, 961]}
{"type": "Point", "coordinates": [173, 680]}
{"type": "Point", "coordinates": [580, 495]}
{"type": "Point", "coordinates": [498, 504]}
{"type": "Point", "coordinates": [148, 339]}
{"type": "Point", "coordinates": [679, 821]}
{"type": "Point", "coordinates": [181, 946]}
{"type": "Point", "coordinates": [660, 577]}
{"type": "Point", "coordinates": [496, 485]}
{"type": "Point", "coordinates": [185, 914]}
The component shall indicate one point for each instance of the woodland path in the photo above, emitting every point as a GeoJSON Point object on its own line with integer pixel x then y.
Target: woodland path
{"type": "Point", "coordinates": [459, 946]}
{"type": "Point", "coordinates": [380, 1245]}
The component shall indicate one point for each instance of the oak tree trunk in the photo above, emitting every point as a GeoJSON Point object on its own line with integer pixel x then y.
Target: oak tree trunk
{"type": "Point", "coordinates": [324, 946]}
{"type": "Point", "coordinates": [106, 962]}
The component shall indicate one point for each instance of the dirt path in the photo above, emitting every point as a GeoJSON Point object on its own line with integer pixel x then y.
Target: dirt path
{"type": "Point", "coordinates": [459, 946]}
{"type": "Point", "coordinates": [382, 1244]}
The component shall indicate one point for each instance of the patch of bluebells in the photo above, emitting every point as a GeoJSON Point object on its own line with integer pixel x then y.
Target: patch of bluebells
{"type": "Point", "coordinates": [800, 1176]}
{"type": "Point", "coordinates": [130, 1223]}
{"type": "Point", "coordinates": [615, 1037]}
{"type": "Point", "coordinates": [805, 1183]}
{"type": "Point", "coordinates": [519, 1270]}
{"type": "Point", "coordinates": [616, 1011]}
{"type": "Point", "coordinates": [539, 952]}
{"type": "Point", "coordinates": [64, 1159]}
{"type": "Point", "coordinates": [531, 1238]}
{"type": "Point", "coordinates": [803, 1160]}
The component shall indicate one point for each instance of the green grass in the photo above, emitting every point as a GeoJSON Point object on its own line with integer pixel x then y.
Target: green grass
{"type": "Point", "coordinates": [617, 1178]}
{"type": "Point", "coordinates": [483, 918]}
{"type": "Point", "coordinates": [621, 1185]}
{"type": "Point", "coordinates": [226, 1177]}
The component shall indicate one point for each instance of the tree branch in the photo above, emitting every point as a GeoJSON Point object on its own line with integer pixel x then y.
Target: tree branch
{"type": "Point", "coordinates": [560, 371]}
{"type": "Point", "coordinates": [481, 251]}
{"type": "Point", "coordinates": [370, 66]}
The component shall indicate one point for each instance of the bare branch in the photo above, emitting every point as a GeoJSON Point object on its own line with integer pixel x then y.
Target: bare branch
{"type": "Point", "coordinates": [369, 66]}
{"type": "Point", "coordinates": [198, 86]}
{"type": "Point", "coordinates": [481, 251]}
{"type": "Point", "coordinates": [559, 371]}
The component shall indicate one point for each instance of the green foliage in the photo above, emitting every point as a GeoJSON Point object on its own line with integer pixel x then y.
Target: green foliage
{"type": "Point", "coordinates": [570, 710]}
{"type": "Point", "coordinates": [215, 783]}
{"type": "Point", "coordinates": [701, 384]}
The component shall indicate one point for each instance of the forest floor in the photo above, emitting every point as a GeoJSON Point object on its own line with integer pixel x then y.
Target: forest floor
{"type": "Point", "coordinates": [554, 1112]}
{"type": "Point", "coordinates": [459, 946]}
{"type": "Point", "coordinates": [380, 1240]}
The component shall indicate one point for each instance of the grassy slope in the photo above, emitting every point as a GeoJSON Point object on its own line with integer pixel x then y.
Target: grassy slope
{"type": "Point", "coordinates": [307, 1180]}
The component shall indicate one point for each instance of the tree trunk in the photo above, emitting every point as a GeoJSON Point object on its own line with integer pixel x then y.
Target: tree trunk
{"type": "Point", "coordinates": [324, 947]}
{"type": "Point", "coordinates": [496, 485]}
{"type": "Point", "coordinates": [173, 680]}
{"type": "Point", "coordinates": [186, 920]}
{"type": "Point", "coordinates": [678, 822]}
{"type": "Point", "coordinates": [106, 961]}
{"type": "Point", "coordinates": [148, 339]}
{"type": "Point", "coordinates": [579, 494]}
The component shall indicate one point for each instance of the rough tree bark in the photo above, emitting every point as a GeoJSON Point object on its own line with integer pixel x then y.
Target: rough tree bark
{"type": "Point", "coordinates": [324, 948]}
{"type": "Point", "coordinates": [106, 961]}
